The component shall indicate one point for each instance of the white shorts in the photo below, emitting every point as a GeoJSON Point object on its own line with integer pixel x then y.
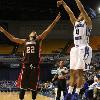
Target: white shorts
{"type": "Point", "coordinates": [80, 56]}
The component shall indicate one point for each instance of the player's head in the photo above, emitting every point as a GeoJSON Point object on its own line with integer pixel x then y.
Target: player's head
{"type": "Point", "coordinates": [32, 35]}
{"type": "Point", "coordinates": [91, 13]}
{"type": "Point", "coordinates": [61, 63]}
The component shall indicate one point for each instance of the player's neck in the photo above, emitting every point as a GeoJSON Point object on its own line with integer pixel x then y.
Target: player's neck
{"type": "Point", "coordinates": [61, 67]}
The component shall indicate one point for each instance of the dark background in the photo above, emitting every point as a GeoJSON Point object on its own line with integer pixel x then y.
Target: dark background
{"type": "Point", "coordinates": [38, 9]}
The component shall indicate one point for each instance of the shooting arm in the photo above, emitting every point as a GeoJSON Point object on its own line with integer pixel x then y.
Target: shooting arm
{"type": "Point", "coordinates": [84, 13]}
{"type": "Point", "coordinates": [50, 27]}
{"type": "Point", "coordinates": [70, 13]}
{"type": "Point", "coordinates": [11, 37]}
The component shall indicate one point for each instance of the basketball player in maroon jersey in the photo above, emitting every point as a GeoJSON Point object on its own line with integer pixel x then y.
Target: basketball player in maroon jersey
{"type": "Point", "coordinates": [29, 75]}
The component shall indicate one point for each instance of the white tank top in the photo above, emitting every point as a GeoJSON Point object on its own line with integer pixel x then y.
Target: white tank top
{"type": "Point", "coordinates": [81, 33]}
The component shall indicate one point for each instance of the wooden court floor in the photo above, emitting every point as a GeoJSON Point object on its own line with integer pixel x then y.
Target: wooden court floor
{"type": "Point", "coordinates": [14, 96]}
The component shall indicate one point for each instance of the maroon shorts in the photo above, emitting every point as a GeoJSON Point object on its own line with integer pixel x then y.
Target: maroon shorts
{"type": "Point", "coordinates": [28, 77]}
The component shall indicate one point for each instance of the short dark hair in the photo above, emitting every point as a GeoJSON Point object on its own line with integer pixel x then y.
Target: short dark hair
{"type": "Point", "coordinates": [91, 12]}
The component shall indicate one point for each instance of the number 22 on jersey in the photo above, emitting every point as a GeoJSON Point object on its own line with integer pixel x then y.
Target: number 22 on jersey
{"type": "Point", "coordinates": [30, 49]}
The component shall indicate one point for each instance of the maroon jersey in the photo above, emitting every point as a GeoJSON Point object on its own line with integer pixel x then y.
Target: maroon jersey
{"type": "Point", "coordinates": [32, 54]}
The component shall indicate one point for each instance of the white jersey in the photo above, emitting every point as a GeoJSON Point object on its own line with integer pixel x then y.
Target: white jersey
{"type": "Point", "coordinates": [60, 71]}
{"type": "Point", "coordinates": [81, 33]}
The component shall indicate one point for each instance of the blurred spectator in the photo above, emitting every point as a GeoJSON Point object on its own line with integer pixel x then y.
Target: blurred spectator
{"type": "Point", "coordinates": [61, 79]}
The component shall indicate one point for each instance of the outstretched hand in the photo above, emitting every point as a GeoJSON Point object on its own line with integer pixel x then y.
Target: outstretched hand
{"type": "Point", "coordinates": [59, 2]}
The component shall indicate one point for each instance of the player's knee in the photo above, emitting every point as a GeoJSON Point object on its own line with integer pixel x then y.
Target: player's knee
{"type": "Point", "coordinates": [72, 75]}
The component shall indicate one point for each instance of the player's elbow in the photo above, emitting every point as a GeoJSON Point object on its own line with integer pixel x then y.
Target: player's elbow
{"type": "Point", "coordinates": [19, 41]}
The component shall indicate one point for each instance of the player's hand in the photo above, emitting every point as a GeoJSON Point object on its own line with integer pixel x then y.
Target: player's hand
{"type": "Point", "coordinates": [1, 29]}
{"type": "Point", "coordinates": [58, 17]}
{"type": "Point", "coordinates": [59, 3]}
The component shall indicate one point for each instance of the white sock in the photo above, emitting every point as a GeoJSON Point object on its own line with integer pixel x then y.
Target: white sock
{"type": "Point", "coordinates": [70, 90]}
{"type": "Point", "coordinates": [77, 90]}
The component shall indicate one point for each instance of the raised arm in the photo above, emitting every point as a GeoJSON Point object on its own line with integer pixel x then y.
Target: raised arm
{"type": "Point", "coordinates": [69, 11]}
{"type": "Point", "coordinates": [11, 37]}
{"type": "Point", "coordinates": [50, 27]}
{"type": "Point", "coordinates": [84, 13]}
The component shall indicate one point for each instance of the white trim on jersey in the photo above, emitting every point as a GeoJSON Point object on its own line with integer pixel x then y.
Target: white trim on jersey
{"type": "Point", "coordinates": [31, 42]}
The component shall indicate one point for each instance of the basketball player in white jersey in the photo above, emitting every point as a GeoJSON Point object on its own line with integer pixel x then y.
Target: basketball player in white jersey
{"type": "Point", "coordinates": [81, 53]}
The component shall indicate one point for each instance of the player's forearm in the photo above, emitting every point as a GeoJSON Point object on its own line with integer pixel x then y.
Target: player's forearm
{"type": "Point", "coordinates": [67, 8]}
{"type": "Point", "coordinates": [84, 13]}
{"type": "Point", "coordinates": [50, 27]}
{"type": "Point", "coordinates": [45, 33]}
{"type": "Point", "coordinates": [8, 35]}
{"type": "Point", "coordinates": [70, 13]}
{"type": "Point", "coordinates": [12, 38]}
{"type": "Point", "coordinates": [80, 6]}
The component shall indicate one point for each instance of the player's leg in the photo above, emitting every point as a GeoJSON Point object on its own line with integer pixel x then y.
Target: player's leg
{"type": "Point", "coordinates": [82, 55]}
{"type": "Point", "coordinates": [73, 60]}
{"type": "Point", "coordinates": [21, 94]}
{"type": "Point", "coordinates": [79, 80]}
{"type": "Point", "coordinates": [80, 67]}
{"type": "Point", "coordinates": [24, 82]}
{"type": "Point", "coordinates": [34, 93]}
{"type": "Point", "coordinates": [63, 86]}
{"type": "Point", "coordinates": [58, 93]}
{"type": "Point", "coordinates": [34, 77]}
